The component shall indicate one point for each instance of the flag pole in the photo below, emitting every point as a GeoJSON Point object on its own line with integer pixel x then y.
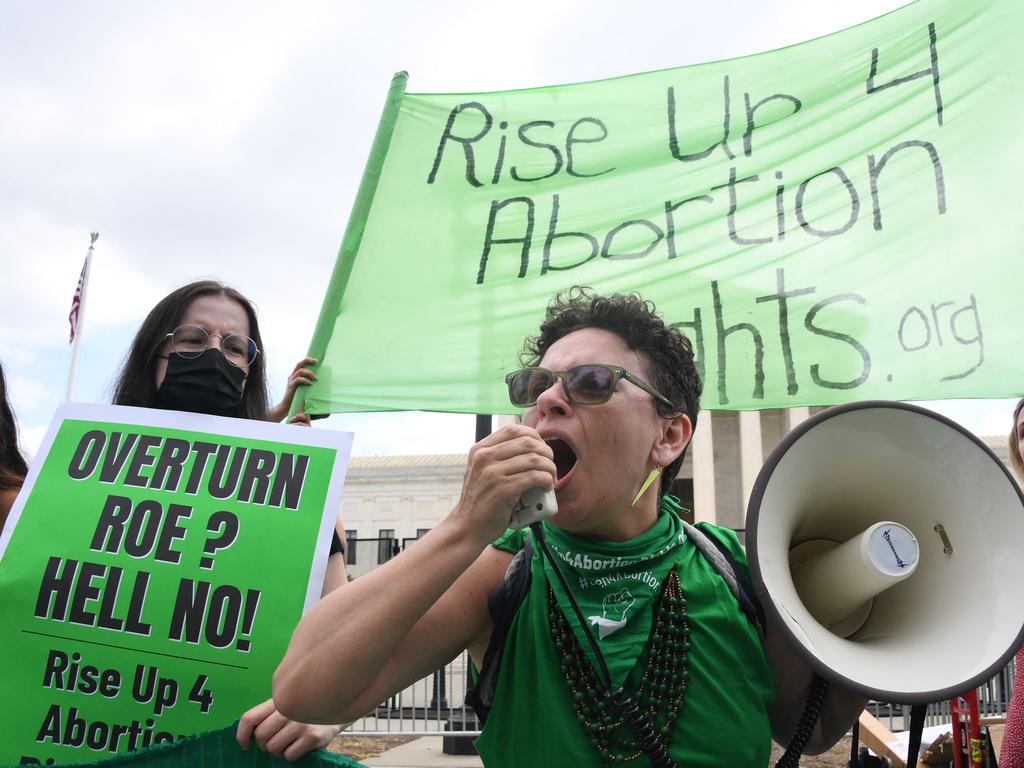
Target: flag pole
{"type": "Point", "coordinates": [78, 313]}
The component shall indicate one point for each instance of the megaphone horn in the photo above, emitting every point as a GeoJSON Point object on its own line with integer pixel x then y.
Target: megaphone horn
{"type": "Point", "coordinates": [884, 540]}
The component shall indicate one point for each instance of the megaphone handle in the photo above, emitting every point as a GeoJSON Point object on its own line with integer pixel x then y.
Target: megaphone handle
{"type": "Point", "coordinates": [804, 728]}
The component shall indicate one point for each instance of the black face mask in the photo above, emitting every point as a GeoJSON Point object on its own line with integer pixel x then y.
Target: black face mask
{"type": "Point", "coordinates": [205, 384]}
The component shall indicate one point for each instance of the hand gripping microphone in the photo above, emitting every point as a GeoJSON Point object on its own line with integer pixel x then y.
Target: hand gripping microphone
{"type": "Point", "coordinates": [534, 505]}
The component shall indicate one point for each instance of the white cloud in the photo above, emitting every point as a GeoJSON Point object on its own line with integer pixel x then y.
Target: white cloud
{"type": "Point", "coordinates": [30, 438]}
{"type": "Point", "coordinates": [382, 434]}
{"type": "Point", "coordinates": [28, 391]}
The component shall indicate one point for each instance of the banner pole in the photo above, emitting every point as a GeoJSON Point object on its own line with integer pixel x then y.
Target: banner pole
{"type": "Point", "coordinates": [355, 227]}
{"type": "Point", "coordinates": [77, 342]}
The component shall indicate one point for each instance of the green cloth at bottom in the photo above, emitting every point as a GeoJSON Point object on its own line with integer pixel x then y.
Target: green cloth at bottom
{"type": "Point", "coordinates": [723, 719]}
{"type": "Point", "coordinates": [215, 749]}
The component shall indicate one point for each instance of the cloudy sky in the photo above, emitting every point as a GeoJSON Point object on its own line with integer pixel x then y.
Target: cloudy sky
{"type": "Point", "coordinates": [227, 139]}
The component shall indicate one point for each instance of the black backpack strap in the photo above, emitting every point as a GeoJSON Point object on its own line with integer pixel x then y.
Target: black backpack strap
{"type": "Point", "coordinates": [337, 545]}
{"type": "Point", "coordinates": [503, 603]}
{"type": "Point", "coordinates": [722, 560]}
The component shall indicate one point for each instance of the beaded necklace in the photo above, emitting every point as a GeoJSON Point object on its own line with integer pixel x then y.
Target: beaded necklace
{"type": "Point", "coordinates": [615, 585]}
{"type": "Point", "coordinates": [662, 685]}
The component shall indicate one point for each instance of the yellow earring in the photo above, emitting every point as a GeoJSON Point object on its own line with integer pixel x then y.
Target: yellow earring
{"type": "Point", "coordinates": [647, 484]}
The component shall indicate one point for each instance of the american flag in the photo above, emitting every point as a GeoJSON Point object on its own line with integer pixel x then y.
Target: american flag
{"type": "Point", "coordinates": [76, 302]}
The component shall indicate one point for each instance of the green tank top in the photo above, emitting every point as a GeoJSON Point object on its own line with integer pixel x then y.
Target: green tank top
{"type": "Point", "coordinates": [722, 721]}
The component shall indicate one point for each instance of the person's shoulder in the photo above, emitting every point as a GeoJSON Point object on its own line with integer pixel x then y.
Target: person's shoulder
{"type": "Point", "coordinates": [728, 538]}
{"type": "Point", "coordinates": [728, 543]}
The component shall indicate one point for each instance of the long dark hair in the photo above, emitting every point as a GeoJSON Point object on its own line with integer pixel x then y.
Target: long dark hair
{"type": "Point", "coordinates": [136, 382]}
{"type": "Point", "coordinates": [12, 464]}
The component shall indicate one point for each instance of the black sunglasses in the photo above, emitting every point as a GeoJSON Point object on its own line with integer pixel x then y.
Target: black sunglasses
{"type": "Point", "coordinates": [590, 384]}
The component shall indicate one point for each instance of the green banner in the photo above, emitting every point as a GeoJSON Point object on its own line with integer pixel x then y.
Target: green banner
{"type": "Point", "coordinates": [833, 221]}
{"type": "Point", "coordinates": [151, 573]}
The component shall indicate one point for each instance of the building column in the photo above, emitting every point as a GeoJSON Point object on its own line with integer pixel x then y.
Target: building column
{"type": "Point", "coordinates": [751, 455]}
{"type": "Point", "coordinates": [796, 415]}
{"type": "Point", "coordinates": [702, 451]}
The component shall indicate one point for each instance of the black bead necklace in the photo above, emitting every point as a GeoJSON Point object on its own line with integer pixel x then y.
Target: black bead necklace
{"type": "Point", "coordinates": [662, 686]}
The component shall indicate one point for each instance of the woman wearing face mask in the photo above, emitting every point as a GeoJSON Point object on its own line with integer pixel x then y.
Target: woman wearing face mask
{"type": "Point", "coordinates": [199, 350]}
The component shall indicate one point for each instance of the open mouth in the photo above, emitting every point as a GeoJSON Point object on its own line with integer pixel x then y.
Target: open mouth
{"type": "Point", "coordinates": [565, 457]}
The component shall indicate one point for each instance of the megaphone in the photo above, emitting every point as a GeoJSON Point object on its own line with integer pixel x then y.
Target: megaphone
{"type": "Point", "coordinates": [885, 540]}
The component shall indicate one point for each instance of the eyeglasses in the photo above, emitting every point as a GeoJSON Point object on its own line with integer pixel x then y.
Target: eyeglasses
{"type": "Point", "coordinates": [192, 341]}
{"type": "Point", "coordinates": [590, 384]}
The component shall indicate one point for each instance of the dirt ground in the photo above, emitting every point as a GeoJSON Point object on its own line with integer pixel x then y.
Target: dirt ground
{"type": "Point", "coordinates": [362, 747]}
{"type": "Point", "coordinates": [837, 757]}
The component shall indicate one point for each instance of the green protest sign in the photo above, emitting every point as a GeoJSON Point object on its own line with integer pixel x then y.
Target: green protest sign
{"type": "Point", "coordinates": [151, 573]}
{"type": "Point", "coordinates": [827, 222]}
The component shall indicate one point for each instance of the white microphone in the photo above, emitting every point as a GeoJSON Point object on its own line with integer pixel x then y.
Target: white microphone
{"type": "Point", "coordinates": [535, 505]}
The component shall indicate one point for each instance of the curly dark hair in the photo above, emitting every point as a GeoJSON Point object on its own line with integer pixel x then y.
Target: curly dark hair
{"type": "Point", "coordinates": [667, 351]}
{"type": "Point", "coordinates": [136, 381]}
